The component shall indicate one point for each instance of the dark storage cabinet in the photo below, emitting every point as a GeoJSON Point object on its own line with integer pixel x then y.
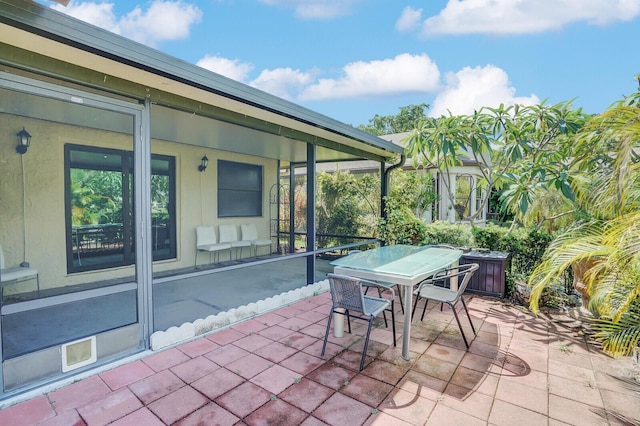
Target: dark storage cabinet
{"type": "Point", "coordinates": [490, 278]}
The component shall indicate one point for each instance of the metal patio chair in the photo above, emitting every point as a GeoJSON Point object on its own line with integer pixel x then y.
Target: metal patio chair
{"type": "Point", "coordinates": [435, 288]}
{"type": "Point", "coordinates": [347, 293]}
{"type": "Point", "coordinates": [381, 287]}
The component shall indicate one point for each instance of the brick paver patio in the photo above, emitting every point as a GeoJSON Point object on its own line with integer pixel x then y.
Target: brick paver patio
{"type": "Point", "coordinates": [519, 370]}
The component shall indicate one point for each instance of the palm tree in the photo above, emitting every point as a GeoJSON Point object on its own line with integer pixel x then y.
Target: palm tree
{"type": "Point", "coordinates": [605, 247]}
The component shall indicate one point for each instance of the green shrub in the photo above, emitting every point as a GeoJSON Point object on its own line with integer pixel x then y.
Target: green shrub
{"type": "Point", "coordinates": [441, 232]}
{"type": "Point", "coordinates": [488, 236]}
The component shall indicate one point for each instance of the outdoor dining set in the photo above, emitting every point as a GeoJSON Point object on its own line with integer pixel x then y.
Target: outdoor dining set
{"type": "Point", "coordinates": [396, 272]}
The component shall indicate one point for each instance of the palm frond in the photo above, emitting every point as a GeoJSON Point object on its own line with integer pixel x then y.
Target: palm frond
{"type": "Point", "coordinates": [618, 338]}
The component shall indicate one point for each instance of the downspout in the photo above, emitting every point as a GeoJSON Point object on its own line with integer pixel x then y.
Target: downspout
{"type": "Point", "coordinates": [385, 183]}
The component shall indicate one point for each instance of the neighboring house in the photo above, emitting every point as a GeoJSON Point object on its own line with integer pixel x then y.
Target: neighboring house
{"type": "Point", "coordinates": [130, 151]}
{"type": "Point", "coordinates": [460, 192]}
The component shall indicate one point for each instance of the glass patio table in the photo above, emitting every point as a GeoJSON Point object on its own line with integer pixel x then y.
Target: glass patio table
{"type": "Point", "coordinates": [399, 264]}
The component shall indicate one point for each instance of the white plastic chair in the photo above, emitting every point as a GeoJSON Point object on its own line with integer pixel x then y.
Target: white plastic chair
{"type": "Point", "coordinates": [8, 275]}
{"type": "Point", "coordinates": [347, 294]}
{"type": "Point", "coordinates": [206, 241]}
{"type": "Point", "coordinates": [229, 234]}
{"type": "Point", "coordinates": [250, 233]}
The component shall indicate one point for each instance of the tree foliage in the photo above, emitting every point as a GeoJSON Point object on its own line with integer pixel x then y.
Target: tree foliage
{"type": "Point", "coordinates": [606, 181]}
{"type": "Point", "coordinates": [405, 121]}
{"type": "Point", "coordinates": [519, 150]}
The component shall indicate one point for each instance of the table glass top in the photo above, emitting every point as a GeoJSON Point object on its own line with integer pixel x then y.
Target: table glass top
{"type": "Point", "coordinates": [401, 260]}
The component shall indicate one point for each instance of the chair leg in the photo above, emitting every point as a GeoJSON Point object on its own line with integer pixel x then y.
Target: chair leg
{"type": "Point", "coordinates": [366, 343]}
{"type": "Point", "coordinates": [346, 312]}
{"type": "Point", "coordinates": [415, 304]}
{"type": "Point", "coordinates": [455, 314]}
{"type": "Point", "coordinates": [424, 309]}
{"type": "Point", "coordinates": [468, 316]}
{"type": "Point", "coordinates": [326, 334]}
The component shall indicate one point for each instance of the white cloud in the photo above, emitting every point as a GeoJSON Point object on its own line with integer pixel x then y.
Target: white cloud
{"type": "Point", "coordinates": [473, 88]}
{"type": "Point", "coordinates": [283, 82]}
{"type": "Point", "coordinates": [316, 9]}
{"type": "Point", "coordinates": [231, 68]}
{"type": "Point", "coordinates": [163, 20]}
{"type": "Point", "coordinates": [525, 16]}
{"type": "Point", "coordinates": [409, 19]}
{"type": "Point", "coordinates": [401, 75]}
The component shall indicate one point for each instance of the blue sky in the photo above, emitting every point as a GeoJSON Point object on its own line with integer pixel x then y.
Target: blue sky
{"type": "Point", "coordinates": [353, 59]}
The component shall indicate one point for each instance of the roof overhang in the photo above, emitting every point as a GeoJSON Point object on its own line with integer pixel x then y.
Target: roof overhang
{"type": "Point", "coordinates": [34, 28]}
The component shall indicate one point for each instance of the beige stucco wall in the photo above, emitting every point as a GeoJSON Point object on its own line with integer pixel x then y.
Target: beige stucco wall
{"type": "Point", "coordinates": [44, 201]}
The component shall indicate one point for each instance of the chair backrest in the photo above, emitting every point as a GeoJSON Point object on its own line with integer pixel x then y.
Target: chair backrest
{"type": "Point", "coordinates": [249, 231]}
{"type": "Point", "coordinates": [205, 235]}
{"type": "Point", "coordinates": [466, 271]}
{"type": "Point", "coordinates": [462, 272]}
{"type": "Point", "coordinates": [346, 292]}
{"type": "Point", "coordinates": [228, 233]}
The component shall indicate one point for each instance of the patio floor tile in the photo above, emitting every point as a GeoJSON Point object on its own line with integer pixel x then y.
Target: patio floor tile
{"type": "Point", "coordinates": [298, 340]}
{"type": "Point", "coordinates": [407, 406]}
{"type": "Point", "coordinates": [210, 414]}
{"type": "Point", "coordinates": [340, 409]}
{"type": "Point", "coordinates": [244, 399]}
{"type": "Point", "coordinates": [275, 352]}
{"type": "Point", "coordinates": [302, 363]}
{"type": "Point", "coordinates": [29, 412]}
{"type": "Point", "coordinates": [523, 395]}
{"type": "Point", "coordinates": [271, 318]}
{"type": "Point", "coordinates": [276, 412]}
{"type": "Point", "coordinates": [68, 418]}
{"type": "Point", "coordinates": [306, 395]}
{"type": "Point", "coordinates": [276, 332]}
{"type": "Point", "coordinates": [197, 347]}
{"type": "Point", "coordinates": [275, 379]}
{"type": "Point", "coordinates": [165, 359]}
{"type": "Point", "coordinates": [367, 390]}
{"type": "Point", "coordinates": [386, 371]}
{"type": "Point", "coordinates": [248, 366]}
{"type": "Point", "coordinates": [224, 337]}
{"type": "Point", "coordinates": [143, 416]}
{"type": "Point", "coordinates": [178, 404]}
{"type": "Point", "coordinates": [110, 408]}
{"type": "Point", "coordinates": [506, 414]}
{"type": "Point", "coordinates": [250, 326]}
{"type": "Point", "coordinates": [443, 415]}
{"type": "Point", "coordinates": [331, 375]}
{"type": "Point", "coordinates": [217, 383]}
{"type": "Point", "coordinates": [126, 374]}
{"type": "Point", "coordinates": [519, 370]}
{"type": "Point", "coordinates": [434, 367]}
{"type": "Point", "coordinates": [194, 369]}
{"type": "Point", "coordinates": [156, 386]}
{"type": "Point", "coordinates": [252, 342]}
{"type": "Point", "coordinates": [78, 394]}
{"type": "Point", "coordinates": [226, 354]}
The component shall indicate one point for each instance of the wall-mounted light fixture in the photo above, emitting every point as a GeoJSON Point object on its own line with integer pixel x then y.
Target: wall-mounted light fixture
{"type": "Point", "coordinates": [24, 140]}
{"type": "Point", "coordinates": [203, 165]}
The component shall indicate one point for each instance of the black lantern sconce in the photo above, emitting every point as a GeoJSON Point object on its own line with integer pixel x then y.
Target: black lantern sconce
{"type": "Point", "coordinates": [24, 140]}
{"type": "Point", "coordinates": [203, 165]}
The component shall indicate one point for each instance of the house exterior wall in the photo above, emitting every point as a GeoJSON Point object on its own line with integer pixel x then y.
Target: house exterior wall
{"type": "Point", "coordinates": [44, 204]}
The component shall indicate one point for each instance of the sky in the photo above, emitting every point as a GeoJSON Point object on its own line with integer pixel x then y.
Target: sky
{"type": "Point", "coordinates": [354, 59]}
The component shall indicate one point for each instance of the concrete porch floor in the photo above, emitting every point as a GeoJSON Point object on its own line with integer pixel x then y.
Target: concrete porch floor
{"type": "Point", "coordinates": [519, 370]}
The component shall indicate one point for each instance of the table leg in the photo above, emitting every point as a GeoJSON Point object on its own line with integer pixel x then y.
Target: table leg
{"type": "Point", "coordinates": [338, 324]}
{"type": "Point", "coordinates": [406, 334]}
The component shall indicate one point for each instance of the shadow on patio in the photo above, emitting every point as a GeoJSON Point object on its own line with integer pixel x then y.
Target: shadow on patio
{"type": "Point", "coordinates": [267, 370]}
